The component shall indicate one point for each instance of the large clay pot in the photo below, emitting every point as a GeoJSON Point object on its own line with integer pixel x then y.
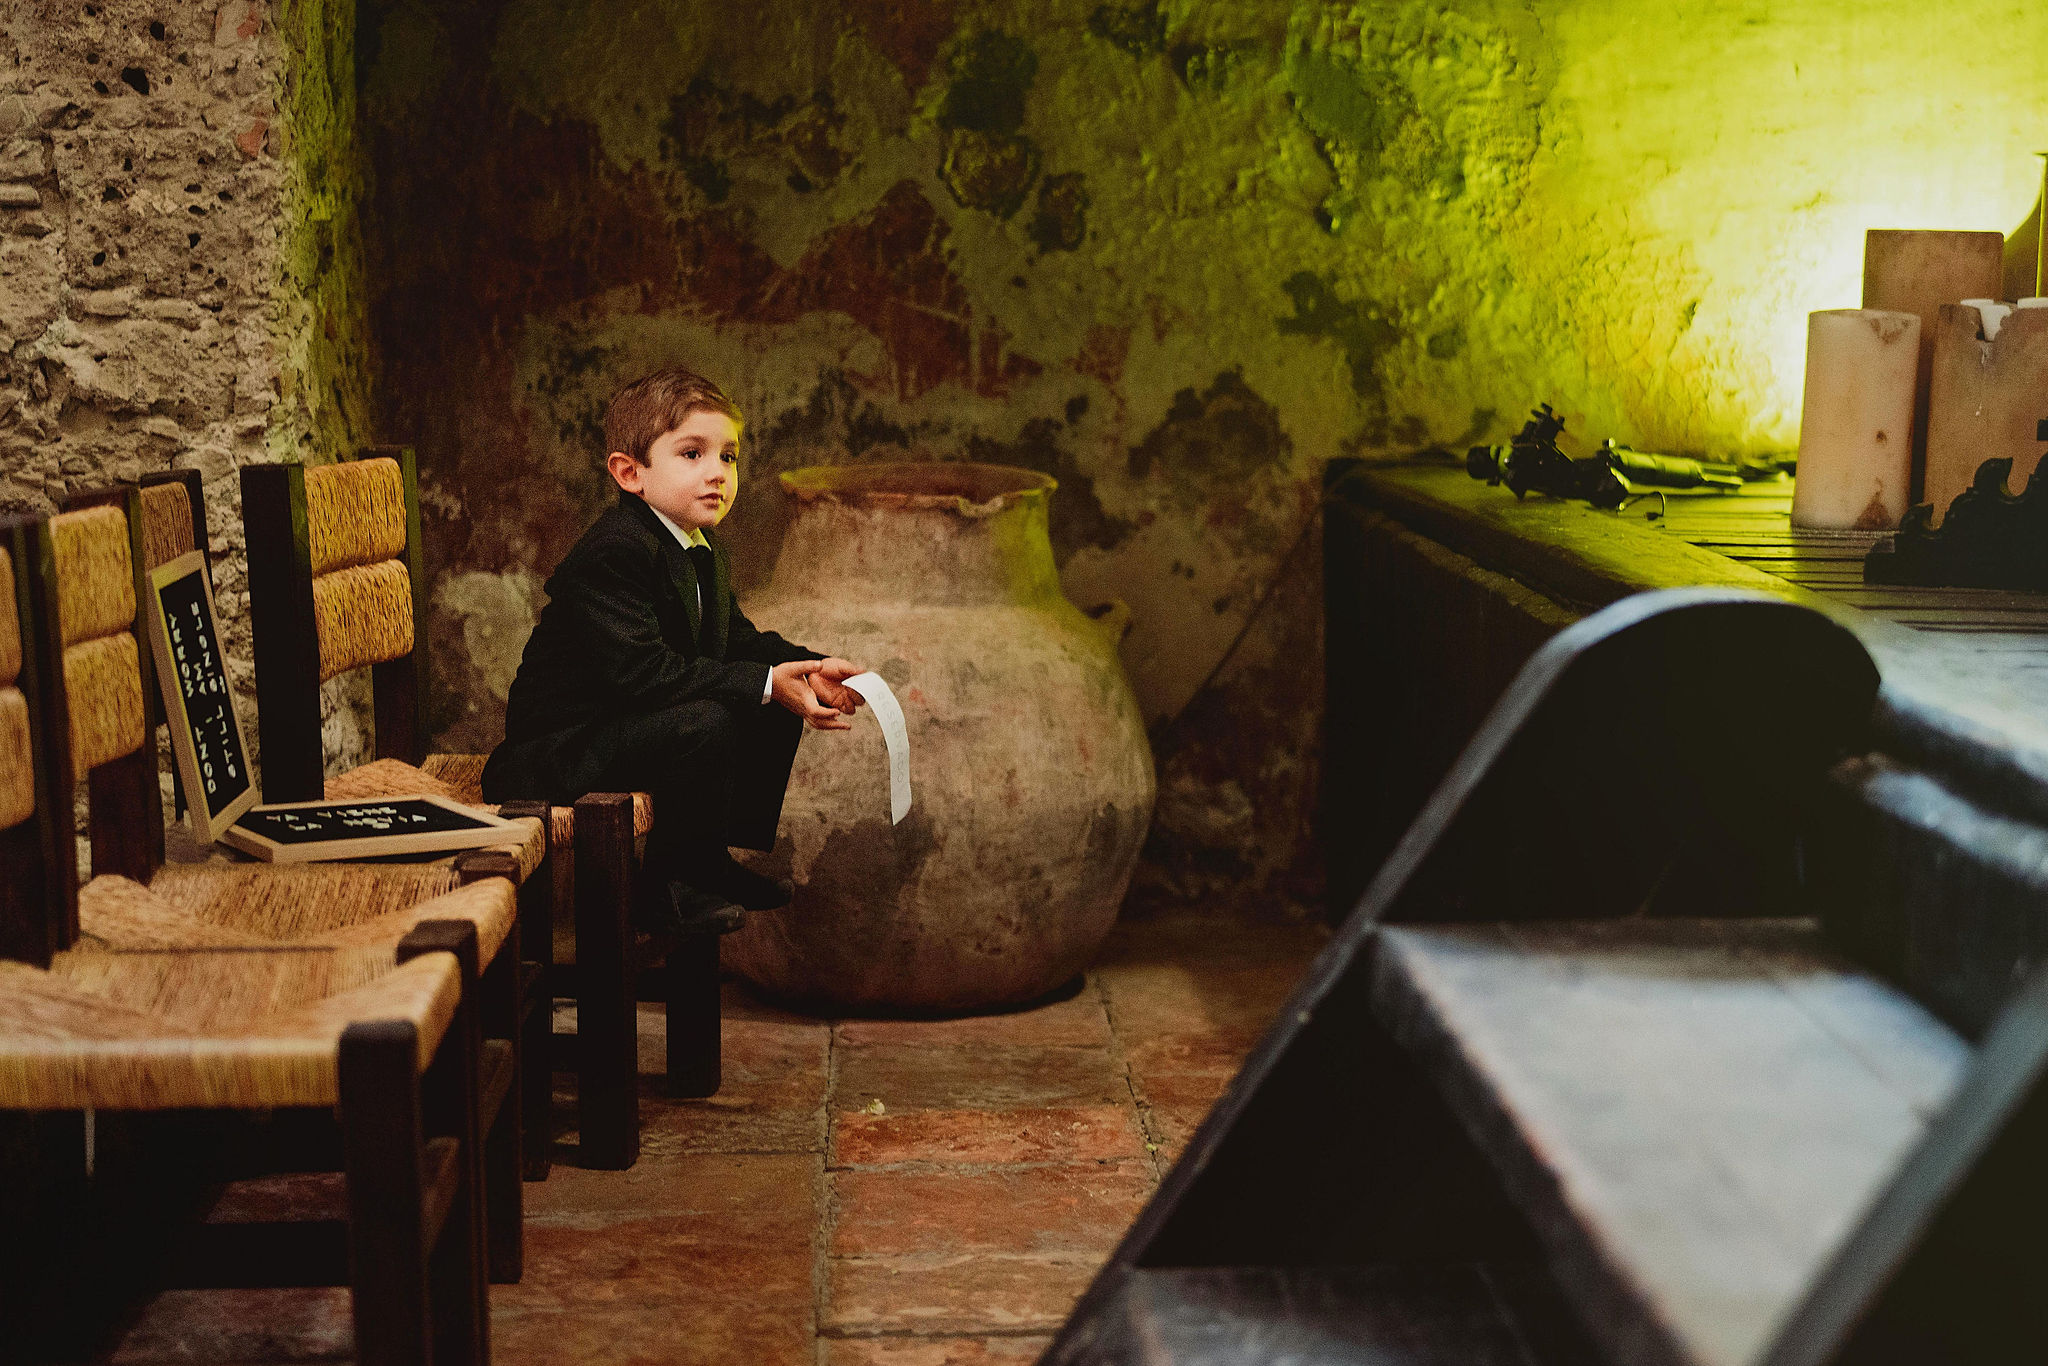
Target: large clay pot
{"type": "Point", "coordinates": [1031, 773]}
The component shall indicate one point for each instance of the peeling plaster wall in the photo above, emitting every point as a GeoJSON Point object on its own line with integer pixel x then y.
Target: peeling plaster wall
{"type": "Point", "coordinates": [180, 262]}
{"type": "Point", "coordinates": [1177, 254]}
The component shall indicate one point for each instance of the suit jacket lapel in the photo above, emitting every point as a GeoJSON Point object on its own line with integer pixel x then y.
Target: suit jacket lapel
{"type": "Point", "coordinates": [682, 574]}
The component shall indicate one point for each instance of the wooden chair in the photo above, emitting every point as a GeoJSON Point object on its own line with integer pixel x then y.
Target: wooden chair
{"type": "Point", "coordinates": [173, 521]}
{"type": "Point", "coordinates": [348, 533]}
{"type": "Point", "coordinates": [93, 705]}
{"type": "Point", "coordinates": [387, 1041]}
{"type": "Point", "coordinates": [1594, 1071]}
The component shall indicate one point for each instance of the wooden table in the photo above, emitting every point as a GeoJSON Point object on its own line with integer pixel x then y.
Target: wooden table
{"type": "Point", "coordinates": [1440, 587]}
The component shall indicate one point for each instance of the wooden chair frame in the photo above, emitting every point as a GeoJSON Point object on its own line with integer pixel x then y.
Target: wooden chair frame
{"type": "Point", "coordinates": [610, 956]}
{"type": "Point", "coordinates": [38, 903]}
{"type": "Point", "coordinates": [411, 1141]}
{"type": "Point", "coordinates": [510, 982]}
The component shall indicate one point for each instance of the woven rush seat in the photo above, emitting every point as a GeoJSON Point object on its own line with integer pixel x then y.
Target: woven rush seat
{"type": "Point", "coordinates": [259, 907]}
{"type": "Point", "coordinates": [460, 777]}
{"type": "Point", "coordinates": [204, 1030]}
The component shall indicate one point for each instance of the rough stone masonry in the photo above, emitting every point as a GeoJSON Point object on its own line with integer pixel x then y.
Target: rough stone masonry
{"type": "Point", "coordinates": [177, 191]}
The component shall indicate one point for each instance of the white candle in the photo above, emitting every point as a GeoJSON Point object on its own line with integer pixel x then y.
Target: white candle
{"type": "Point", "coordinates": [1856, 428]}
{"type": "Point", "coordinates": [1916, 271]}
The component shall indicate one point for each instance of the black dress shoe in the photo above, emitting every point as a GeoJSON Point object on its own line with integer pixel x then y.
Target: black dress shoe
{"type": "Point", "coordinates": [717, 870]}
{"type": "Point", "coordinates": [682, 908]}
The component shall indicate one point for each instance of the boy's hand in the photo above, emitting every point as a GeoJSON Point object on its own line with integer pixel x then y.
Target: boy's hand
{"type": "Point", "coordinates": [790, 686]}
{"type": "Point", "coordinates": [825, 682]}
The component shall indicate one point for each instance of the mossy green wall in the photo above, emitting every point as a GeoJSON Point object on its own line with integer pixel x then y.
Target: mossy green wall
{"type": "Point", "coordinates": [321, 304]}
{"type": "Point", "coordinates": [1176, 254]}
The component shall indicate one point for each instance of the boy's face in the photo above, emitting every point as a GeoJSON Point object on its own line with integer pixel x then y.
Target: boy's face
{"type": "Point", "coordinates": [692, 470]}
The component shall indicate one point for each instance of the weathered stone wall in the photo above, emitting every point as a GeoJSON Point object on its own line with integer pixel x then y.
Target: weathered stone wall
{"type": "Point", "coordinates": [1177, 253]}
{"type": "Point", "coordinates": [180, 263]}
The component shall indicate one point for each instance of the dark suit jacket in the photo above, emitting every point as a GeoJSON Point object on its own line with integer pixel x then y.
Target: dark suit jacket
{"type": "Point", "coordinates": [622, 635]}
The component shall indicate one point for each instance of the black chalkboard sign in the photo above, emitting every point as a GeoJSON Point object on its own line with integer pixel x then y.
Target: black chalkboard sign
{"type": "Point", "coordinates": [300, 832]}
{"type": "Point", "coordinates": [199, 704]}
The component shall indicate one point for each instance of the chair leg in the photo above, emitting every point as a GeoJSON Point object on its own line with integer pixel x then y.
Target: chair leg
{"type": "Point", "coordinates": [536, 1089]}
{"type": "Point", "coordinates": [42, 1205]}
{"type": "Point", "coordinates": [384, 1156]}
{"type": "Point", "coordinates": [694, 1063]}
{"type": "Point", "coordinates": [504, 1182]}
{"type": "Point", "coordinates": [453, 1103]}
{"type": "Point", "coordinates": [608, 1066]}
{"type": "Point", "coordinates": [537, 948]}
{"type": "Point", "coordinates": [501, 996]}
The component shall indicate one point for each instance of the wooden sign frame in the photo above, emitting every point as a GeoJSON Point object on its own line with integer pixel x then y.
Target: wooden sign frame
{"type": "Point", "coordinates": [205, 823]}
{"type": "Point", "coordinates": [486, 830]}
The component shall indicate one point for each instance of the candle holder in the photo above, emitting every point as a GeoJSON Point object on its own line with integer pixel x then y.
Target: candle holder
{"type": "Point", "coordinates": [1989, 539]}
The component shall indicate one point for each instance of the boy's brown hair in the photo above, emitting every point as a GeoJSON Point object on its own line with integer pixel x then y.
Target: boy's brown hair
{"type": "Point", "coordinates": [656, 404]}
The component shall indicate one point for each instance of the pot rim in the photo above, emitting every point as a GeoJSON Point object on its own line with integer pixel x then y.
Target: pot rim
{"type": "Point", "coordinates": [966, 487]}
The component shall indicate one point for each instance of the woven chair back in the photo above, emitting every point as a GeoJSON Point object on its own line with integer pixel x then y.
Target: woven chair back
{"type": "Point", "coordinates": [167, 524]}
{"type": "Point", "coordinates": [362, 589]}
{"type": "Point", "coordinates": [17, 755]}
{"type": "Point", "coordinates": [95, 593]}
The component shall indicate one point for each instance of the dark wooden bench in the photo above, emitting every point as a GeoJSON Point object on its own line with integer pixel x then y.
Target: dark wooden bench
{"type": "Point", "coordinates": [1638, 1048]}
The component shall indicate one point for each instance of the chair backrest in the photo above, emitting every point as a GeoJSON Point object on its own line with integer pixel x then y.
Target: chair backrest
{"type": "Point", "coordinates": [38, 895]}
{"type": "Point", "coordinates": [173, 516]}
{"type": "Point", "coordinates": [37, 859]}
{"type": "Point", "coordinates": [334, 584]}
{"type": "Point", "coordinates": [87, 572]}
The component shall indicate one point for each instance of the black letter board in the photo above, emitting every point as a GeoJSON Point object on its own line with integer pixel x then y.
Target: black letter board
{"type": "Point", "coordinates": [206, 730]}
{"type": "Point", "coordinates": [298, 832]}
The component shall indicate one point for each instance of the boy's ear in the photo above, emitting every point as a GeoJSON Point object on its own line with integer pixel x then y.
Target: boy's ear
{"type": "Point", "coordinates": [625, 471]}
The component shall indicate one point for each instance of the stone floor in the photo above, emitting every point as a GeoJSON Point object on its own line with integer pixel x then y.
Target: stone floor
{"type": "Point", "coordinates": [866, 1193]}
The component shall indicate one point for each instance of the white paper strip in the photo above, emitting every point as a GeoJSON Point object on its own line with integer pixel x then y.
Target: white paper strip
{"type": "Point", "coordinates": [894, 735]}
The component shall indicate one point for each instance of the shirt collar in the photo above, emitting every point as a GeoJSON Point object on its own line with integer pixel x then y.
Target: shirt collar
{"type": "Point", "coordinates": [690, 539]}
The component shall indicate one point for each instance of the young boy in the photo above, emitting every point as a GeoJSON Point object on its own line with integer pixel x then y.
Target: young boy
{"type": "Point", "coordinates": [644, 675]}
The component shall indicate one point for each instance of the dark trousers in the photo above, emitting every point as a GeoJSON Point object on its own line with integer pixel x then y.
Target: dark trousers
{"type": "Point", "coordinates": [717, 773]}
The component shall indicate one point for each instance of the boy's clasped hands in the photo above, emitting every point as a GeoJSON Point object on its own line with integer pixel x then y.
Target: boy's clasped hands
{"type": "Point", "coordinates": [815, 689]}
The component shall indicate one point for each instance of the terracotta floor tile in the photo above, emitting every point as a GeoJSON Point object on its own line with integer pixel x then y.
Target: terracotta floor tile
{"type": "Point", "coordinates": [1176, 1103]}
{"type": "Point", "coordinates": [1217, 1054]}
{"type": "Point", "coordinates": [954, 1296]}
{"type": "Point", "coordinates": [772, 1097]}
{"type": "Point", "coordinates": [686, 1262]}
{"type": "Point", "coordinates": [1081, 1207]}
{"type": "Point", "coordinates": [649, 1337]}
{"type": "Point", "coordinates": [1078, 1021]}
{"type": "Point", "coordinates": [1094, 1133]}
{"type": "Point", "coordinates": [689, 1232]}
{"type": "Point", "coordinates": [772, 1194]}
{"type": "Point", "coordinates": [1236, 1006]}
{"type": "Point", "coordinates": [908, 1077]}
{"type": "Point", "coordinates": [1010, 1154]}
{"type": "Point", "coordinates": [911, 1351]}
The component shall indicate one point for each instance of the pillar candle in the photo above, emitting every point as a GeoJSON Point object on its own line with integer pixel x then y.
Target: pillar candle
{"type": "Point", "coordinates": [1856, 426]}
{"type": "Point", "coordinates": [1987, 399]}
{"type": "Point", "coordinates": [1912, 271]}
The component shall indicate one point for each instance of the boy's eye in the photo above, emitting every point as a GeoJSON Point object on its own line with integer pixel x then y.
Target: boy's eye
{"type": "Point", "coordinates": [730, 457]}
